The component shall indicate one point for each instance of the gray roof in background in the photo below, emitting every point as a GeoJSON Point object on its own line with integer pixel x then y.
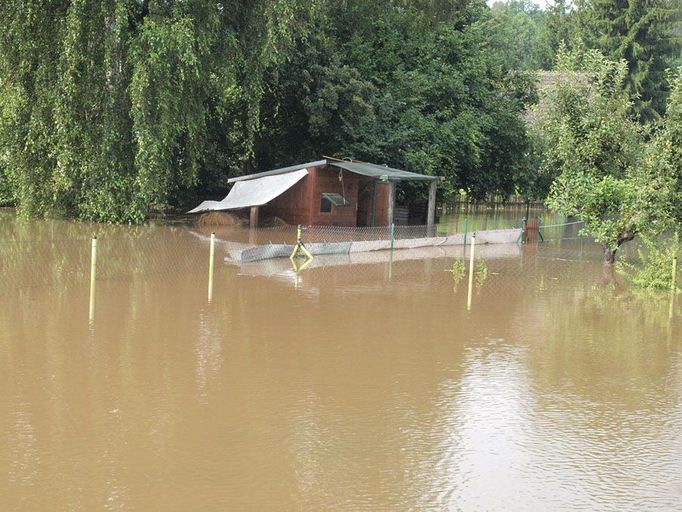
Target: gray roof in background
{"type": "Point", "coordinates": [381, 172]}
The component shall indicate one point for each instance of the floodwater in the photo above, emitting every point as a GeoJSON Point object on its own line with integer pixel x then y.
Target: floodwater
{"type": "Point", "coordinates": [359, 386]}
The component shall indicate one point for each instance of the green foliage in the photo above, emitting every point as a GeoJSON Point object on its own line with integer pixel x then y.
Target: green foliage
{"type": "Point", "coordinates": [670, 136]}
{"type": "Point", "coordinates": [111, 108]}
{"type": "Point", "coordinates": [643, 33]}
{"type": "Point", "coordinates": [561, 28]}
{"type": "Point", "coordinates": [519, 31]}
{"type": "Point", "coordinates": [482, 271]}
{"type": "Point", "coordinates": [656, 271]}
{"type": "Point", "coordinates": [610, 172]}
{"type": "Point", "coordinates": [458, 270]}
{"type": "Point", "coordinates": [391, 84]}
{"type": "Point", "coordinates": [6, 198]}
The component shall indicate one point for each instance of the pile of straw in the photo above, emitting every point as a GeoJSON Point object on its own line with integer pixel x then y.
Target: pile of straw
{"type": "Point", "coordinates": [211, 219]}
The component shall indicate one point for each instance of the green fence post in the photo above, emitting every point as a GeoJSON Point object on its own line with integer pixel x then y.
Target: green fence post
{"type": "Point", "coordinates": [466, 222]}
{"type": "Point", "coordinates": [390, 261]}
{"type": "Point", "coordinates": [673, 281]}
{"type": "Point", "coordinates": [392, 236]}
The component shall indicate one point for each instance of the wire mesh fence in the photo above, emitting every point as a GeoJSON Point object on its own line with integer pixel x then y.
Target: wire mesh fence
{"type": "Point", "coordinates": [124, 252]}
{"type": "Point", "coordinates": [570, 230]}
{"type": "Point", "coordinates": [25, 263]}
{"type": "Point", "coordinates": [362, 234]}
{"type": "Point", "coordinates": [182, 255]}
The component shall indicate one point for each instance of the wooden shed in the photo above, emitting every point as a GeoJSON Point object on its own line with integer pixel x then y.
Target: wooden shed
{"type": "Point", "coordinates": [324, 192]}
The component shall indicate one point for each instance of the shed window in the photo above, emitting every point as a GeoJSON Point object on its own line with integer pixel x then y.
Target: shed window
{"type": "Point", "coordinates": [332, 198]}
{"type": "Point", "coordinates": [325, 205]}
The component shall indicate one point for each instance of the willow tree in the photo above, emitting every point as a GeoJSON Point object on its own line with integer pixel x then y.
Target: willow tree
{"type": "Point", "coordinates": [110, 108]}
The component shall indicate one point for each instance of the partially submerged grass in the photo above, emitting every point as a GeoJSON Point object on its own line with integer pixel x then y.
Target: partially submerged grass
{"type": "Point", "coordinates": [656, 269]}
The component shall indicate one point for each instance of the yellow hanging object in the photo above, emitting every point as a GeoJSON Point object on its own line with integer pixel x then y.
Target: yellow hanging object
{"type": "Point", "coordinates": [300, 249]}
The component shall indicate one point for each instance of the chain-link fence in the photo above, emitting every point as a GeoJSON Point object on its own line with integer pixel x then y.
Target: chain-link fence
{"type": "Point", "coordinates": [175, 254]}
{"type": "Point", "coordinates": [25, 263]}
{"type": "Point", "coordinates": [136, 252]}
{"type": "Point", "coordinates": [164, 250]}
{"type": "Point", "coordinates": [365, 234]}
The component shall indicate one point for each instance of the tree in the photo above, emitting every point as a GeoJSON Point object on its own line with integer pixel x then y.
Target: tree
{"type": "Point", "coordinates": [560, 27]}
{"type": "Point", "coordinates": [392, 84]}
{"type": "Point", "coordinates": [111, 108]}
{"type": "Point", "coordinates": [670, 139]}
{"type": "Point", "coordinates": [644, 33]}
{"type": "Point", "coordinates": [609, 174]}
{"type": "Point", "coordinates": [518, 30]}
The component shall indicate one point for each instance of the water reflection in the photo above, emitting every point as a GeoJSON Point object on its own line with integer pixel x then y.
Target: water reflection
{"type": "Point", "coordinates": [360, 390]}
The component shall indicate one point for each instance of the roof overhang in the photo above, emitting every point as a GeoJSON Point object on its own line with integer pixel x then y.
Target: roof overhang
{"type": "Point", "coordinates": [254, 192]}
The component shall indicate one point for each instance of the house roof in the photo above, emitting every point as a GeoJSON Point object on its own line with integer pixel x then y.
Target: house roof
{"type": "Point", "coordinates": [380, 172]}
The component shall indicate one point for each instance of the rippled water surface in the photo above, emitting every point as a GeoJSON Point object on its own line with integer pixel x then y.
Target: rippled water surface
{"type": "Point", "coordinates": [363, 385]}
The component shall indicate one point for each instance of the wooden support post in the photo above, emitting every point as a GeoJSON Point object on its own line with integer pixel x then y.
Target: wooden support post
{"type": "Point", "coordinates": [253, 224]}
{"type": "Point", "coordinates": [253, 218]}
{"type": "Point", "coordinates": [431, 216]}
{"type": "Point", "coordinates": [391, 201]}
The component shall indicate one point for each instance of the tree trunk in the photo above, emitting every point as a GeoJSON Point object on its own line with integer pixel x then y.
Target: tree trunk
{"type": "Point", "coordinates": [608, 277]}
{"type": "Point", "coordinates": [609, 256]}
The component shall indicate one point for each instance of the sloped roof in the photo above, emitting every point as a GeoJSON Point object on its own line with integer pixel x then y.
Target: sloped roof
{"type": "Point", "coordinates": [282, 170]}
{"type": "Point", "coordinates": [381, 172]}
{"type": "Point", "coordinates": [256, 192]}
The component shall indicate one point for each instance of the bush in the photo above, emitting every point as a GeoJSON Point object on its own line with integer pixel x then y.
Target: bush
{"type": "Point", "coordinates": [657, 262]}
{"type": "Point", "coordinates": [6, 198]}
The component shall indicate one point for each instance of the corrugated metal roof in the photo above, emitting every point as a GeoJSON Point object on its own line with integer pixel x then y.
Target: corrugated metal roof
{"type": "Point", "coordinates": [254, 192]}
{"type": "Point", "coordinates": [381, 172]}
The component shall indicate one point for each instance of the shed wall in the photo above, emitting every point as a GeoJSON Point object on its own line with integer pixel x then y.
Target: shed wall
{"type": "Point", "coordinates": [301, 203]}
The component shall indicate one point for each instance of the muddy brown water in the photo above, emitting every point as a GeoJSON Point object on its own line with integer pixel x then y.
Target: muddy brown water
{"type": "Point", "coordinates": [350, 386]}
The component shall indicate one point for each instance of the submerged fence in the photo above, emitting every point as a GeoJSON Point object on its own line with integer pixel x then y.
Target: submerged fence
{"type": "Point", "coordinates": [25, 262]}
{"type": "Point", "coordinates": [465, 226]}
{"type": "Point", "coordinates": [180, 255]}
{"type": "Point", "coordinates": [334, 240]}
{"type": "Point", "coordinates": [136, 252]}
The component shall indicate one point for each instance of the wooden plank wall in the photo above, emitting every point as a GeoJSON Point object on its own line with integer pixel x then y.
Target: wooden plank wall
{"type": "Point", "coordinates": [301, 203]}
